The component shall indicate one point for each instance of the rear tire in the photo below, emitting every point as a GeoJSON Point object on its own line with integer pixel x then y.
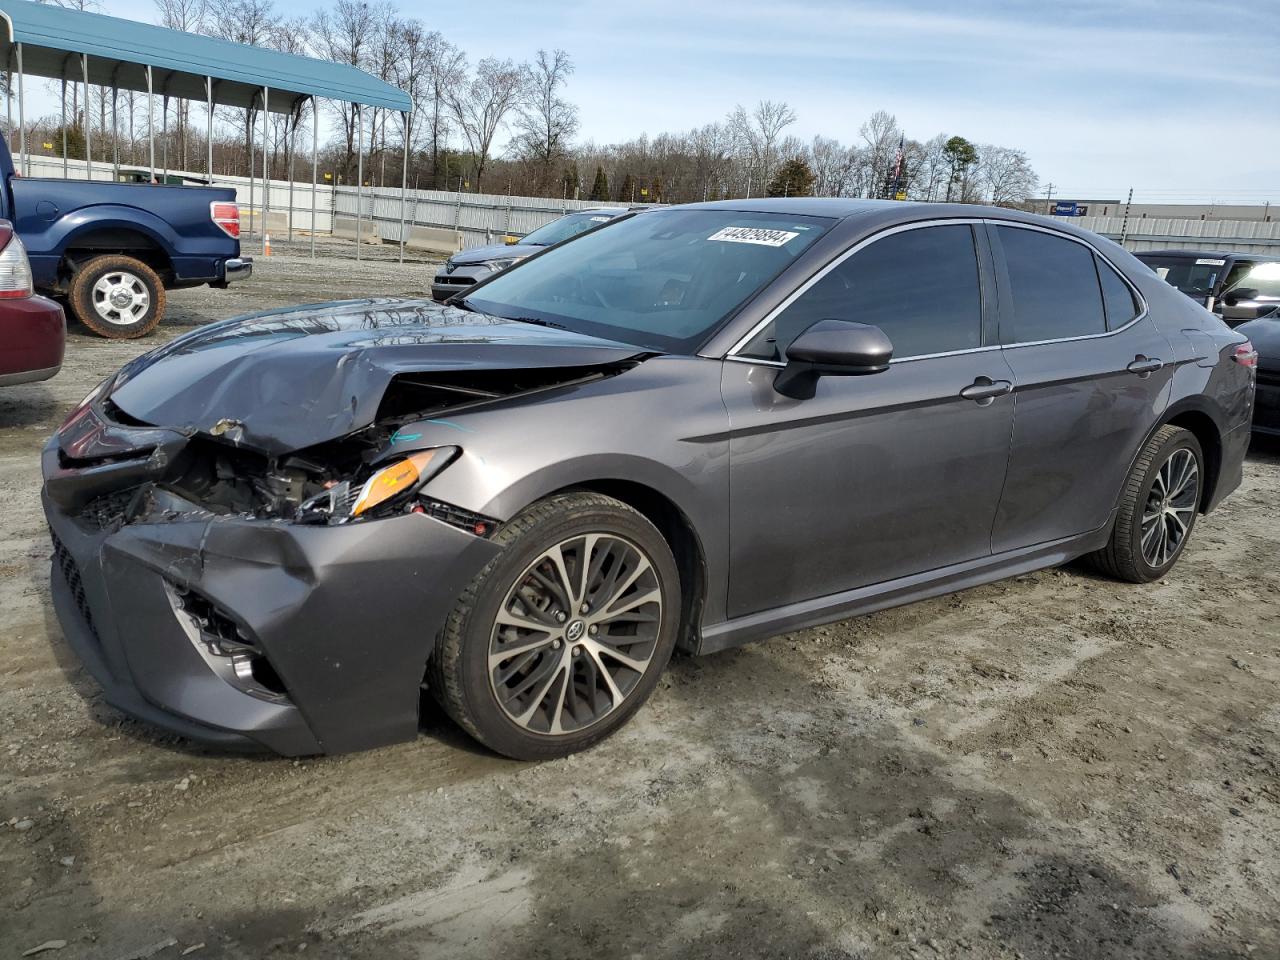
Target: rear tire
{"type": "Point", "coordinates": [561, 638]}
{"type": "Point", "coordinates": [117, 297]}
{"type": "Point", "coordinates": [1158, 508]}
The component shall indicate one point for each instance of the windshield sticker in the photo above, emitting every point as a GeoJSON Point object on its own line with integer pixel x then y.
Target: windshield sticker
{"type": "Point", "coordinates": [1205, 262]}
{"type": "Point", "coordinates": [757, 235]}
{"type": "Point", "coordinates": [599, 219]}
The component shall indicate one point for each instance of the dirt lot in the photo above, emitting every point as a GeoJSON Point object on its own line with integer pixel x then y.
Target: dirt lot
{"type": "Point", "coordinates": [1053, 766]}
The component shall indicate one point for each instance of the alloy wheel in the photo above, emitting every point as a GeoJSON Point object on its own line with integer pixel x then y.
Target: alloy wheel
{"type": "Point", "coordinates": [121, 298]}
{"type": "Point", "coordinates": [575, 634]}
{"type": "Point", "coordinates": [1170, 508]}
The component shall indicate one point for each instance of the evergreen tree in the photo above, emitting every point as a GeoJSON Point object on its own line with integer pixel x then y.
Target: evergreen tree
{"type": "Point", "coordinates": [75, 142]}
{"type": "Point", "coordinates": [570, 181]}
{"type": "Point", "coordinates": [793, 179]}
{"type": "Point", "coordinates": [626, 193]}
{"type": "Point", "coordinates": [600, 189]}
{"type": "Point", "coordinates": [655, 190]}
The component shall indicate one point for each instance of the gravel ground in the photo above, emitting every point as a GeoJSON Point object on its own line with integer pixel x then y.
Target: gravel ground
{"type": "Point", "coordinates": [1052, 766]}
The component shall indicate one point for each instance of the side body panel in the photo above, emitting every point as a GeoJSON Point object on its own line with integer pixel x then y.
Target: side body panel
{"type": "Point", "coordinates": [53, 216]}
{"type": "Point", "coordinates": [661, 425]}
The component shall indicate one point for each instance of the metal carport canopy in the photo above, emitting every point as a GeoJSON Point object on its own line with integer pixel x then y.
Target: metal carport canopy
{"type": "Point", "coordinates": [119, 51]}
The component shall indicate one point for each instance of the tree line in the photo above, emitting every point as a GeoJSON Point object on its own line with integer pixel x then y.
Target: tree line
{"type": "Point", "coordinates": [502, 126]}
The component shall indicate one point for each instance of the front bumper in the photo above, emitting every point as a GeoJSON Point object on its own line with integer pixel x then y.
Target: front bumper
{"type": "Point", "coordinates": [463, 278]}
{"type": "Point", "coordinates": [345, 615]}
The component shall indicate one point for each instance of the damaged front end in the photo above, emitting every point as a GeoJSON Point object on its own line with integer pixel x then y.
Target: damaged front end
{"type": "Point", "coordinates": [243, 595]}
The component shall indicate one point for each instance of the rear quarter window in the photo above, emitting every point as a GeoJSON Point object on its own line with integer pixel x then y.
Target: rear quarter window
{"type": "Point", "coordinates": [1117, 297]}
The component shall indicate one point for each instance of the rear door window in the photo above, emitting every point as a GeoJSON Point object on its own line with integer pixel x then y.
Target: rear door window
{"type": "Point", "coordinates": [919, 286]}
{"type": "Point", "coordinates": [1053, 286]}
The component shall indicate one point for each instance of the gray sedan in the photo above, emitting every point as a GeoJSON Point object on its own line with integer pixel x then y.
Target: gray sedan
{"type": "Point", "coordinates": [467, 268]}
{"type": "Point", "coordinates": [694, 427]}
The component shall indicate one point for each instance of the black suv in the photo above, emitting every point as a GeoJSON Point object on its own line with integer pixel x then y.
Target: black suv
{"type": "Point", "coordinates": [1211, 277]}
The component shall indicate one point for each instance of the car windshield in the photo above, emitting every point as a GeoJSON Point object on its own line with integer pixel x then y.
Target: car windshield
{"type": "Point", "coordinates": [1194, 276]}
{"type": "Point", "coordinates": [1262, 277]}
{"type": "Point", "coordinates": [566, 227]}
{"type": "Point", "coordinates": [662, 279]}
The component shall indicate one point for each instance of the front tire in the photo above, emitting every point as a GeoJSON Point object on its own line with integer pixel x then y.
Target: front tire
{"type": "Point", "coordinates": [562, 637]}
{"type": "Point", "coordinates": [1158, 508]}
{"type": "Point", "coordinates": [117, 297]}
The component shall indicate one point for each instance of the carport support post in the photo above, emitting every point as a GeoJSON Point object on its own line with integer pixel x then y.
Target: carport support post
{"type": "Point", "coordinates": [63, 110]}
{"type": "Point", "coordinates": [208, 98]}
{"type": "Point", "coordinates": [164, 130]}
{"type": "Point", "coordinates": [404, 181]}
{"type": "Point", "coordinates": [22, 121]}
{"type": "Point", "coordinates": [266, 164]}
{"type": "Point", "coordinates": [88, 144]}
{"type": "Point", "coordinates": [151, 123]}
{"type": "Point", "coordinates": [115, 131]}
{"type": "Point", "coordinates": [359, 174]}
{"type": "Point", "coordinates": [315, 167]}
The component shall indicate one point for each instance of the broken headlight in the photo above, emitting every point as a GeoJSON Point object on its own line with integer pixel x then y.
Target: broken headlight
{"type": "Point", "coordinates": [388, 490]}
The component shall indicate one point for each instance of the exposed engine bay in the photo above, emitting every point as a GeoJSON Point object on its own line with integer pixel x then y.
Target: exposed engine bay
{"type": "Point", "coordinates": [221, 474]}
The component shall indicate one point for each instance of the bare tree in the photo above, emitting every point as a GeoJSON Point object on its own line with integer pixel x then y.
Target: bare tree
{"type": "Point", "coordinates": [188, 16]}
{"type": "Point", "coordinates": [1005, 176]}
{"type": "Point", "coordinates": [756, 137]}
{"type": "Point", "coordinates": [546, 122]}
{"type": "Point", "coordinates": [446, 74]}
{"type": "Point", "coordinates": [346, 35]}
{"type": "Point", "coordinates": [881, 135]}
{"type": "Point", "coordinates": [482, 106]}
{"type": "Point", "coordinates": [252, 22]}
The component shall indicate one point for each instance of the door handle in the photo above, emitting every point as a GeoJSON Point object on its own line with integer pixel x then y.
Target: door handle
{"type": "Point", "coordinates": [984, 390]}
{"type": "Point", "coordinates": [1145, 366]}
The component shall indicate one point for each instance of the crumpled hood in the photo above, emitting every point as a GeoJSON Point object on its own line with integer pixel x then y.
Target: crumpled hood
{"type": "Point", "coordinates": [496, 251]}
{"type": "Point", "coordinates": [287, 379]}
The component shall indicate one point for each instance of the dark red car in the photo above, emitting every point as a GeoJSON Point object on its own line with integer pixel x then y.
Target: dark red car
{"type": "Point", "coordinates": [33, 331]}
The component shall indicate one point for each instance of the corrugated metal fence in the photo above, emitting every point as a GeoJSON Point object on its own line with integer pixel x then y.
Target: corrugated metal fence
{"type": "Point", "coordinates": [480, 217]}
{"type": "Point", "coordinates": [1155, 233]}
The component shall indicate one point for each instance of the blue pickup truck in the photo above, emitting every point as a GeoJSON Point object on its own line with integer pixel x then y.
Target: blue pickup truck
{"type": "Point", "coordinates": [112, 249]}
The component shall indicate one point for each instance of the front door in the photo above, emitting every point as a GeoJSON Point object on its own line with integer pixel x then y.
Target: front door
{"type": "Point", "coordinates": [880, 476]}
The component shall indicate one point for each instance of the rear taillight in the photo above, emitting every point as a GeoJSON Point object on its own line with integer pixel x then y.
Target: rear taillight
{"type": "Point", "coordinates": [227, 217]}
{"type": "Point", "coordinates": [1245, 355]}
{"type": "Point", "coordinates": [15, 270]}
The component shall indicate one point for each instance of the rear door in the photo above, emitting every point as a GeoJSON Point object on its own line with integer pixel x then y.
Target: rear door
{"type": "Point", "coordinates": [881, 476]}
{"type": "Point", "coordinates": [1091, 373]}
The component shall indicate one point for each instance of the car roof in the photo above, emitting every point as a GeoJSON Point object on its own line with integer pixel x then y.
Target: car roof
{"type": "Point", "coordinates": [833, 207]}
{"type": "Point", "coordinates": [885, 212]}
{"type": "Point", "coordinates": [1215, 254]}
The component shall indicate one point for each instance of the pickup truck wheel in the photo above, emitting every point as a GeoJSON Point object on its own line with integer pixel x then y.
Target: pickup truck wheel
{"type": "Point", "coordinates": [117, 297]}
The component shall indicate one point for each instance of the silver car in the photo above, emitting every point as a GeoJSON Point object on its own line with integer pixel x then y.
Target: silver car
{"type": "Point", "coordinates": [696, 427]}
{"type": "Point", "coordinates": [468, 267]}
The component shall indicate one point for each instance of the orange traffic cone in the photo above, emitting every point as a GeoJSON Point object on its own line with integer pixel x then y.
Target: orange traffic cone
{"type": "Point", "coordinates": [266, 245]}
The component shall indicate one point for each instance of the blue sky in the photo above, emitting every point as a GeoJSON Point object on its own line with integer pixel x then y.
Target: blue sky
{"type": "Point", "coordinates": [1173, 97]}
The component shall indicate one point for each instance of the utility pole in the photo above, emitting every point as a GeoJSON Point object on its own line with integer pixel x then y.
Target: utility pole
{"type": "Point", "coordinates": [1124, 226]}
{"type": "Point", "coordinates": [1048, 198]}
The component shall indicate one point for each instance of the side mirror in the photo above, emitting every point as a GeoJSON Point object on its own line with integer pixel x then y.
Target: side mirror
{"type": "Point", "coordinates": [1236, 294]}
{"type": "Point", "coordinates": [832, 348]}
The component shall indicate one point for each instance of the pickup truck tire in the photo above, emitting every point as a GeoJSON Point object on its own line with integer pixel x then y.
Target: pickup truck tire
{"type": "Point", "coordinates": [117, 297]}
